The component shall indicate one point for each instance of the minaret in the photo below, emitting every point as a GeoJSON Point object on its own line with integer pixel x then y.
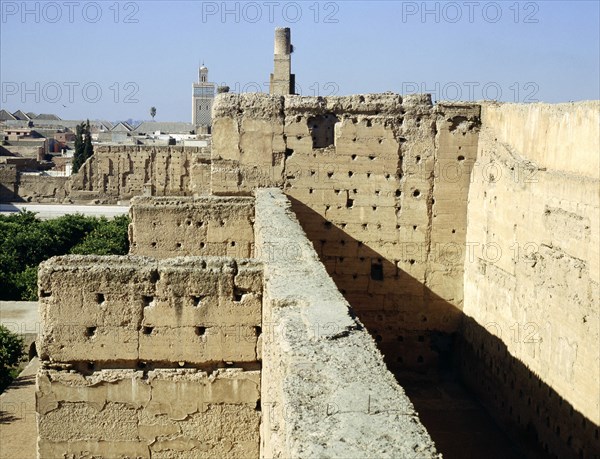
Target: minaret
{"type": "Point", "coordinates": [202, 100]}
{"type": "Point", "coordinates": [282, 78]}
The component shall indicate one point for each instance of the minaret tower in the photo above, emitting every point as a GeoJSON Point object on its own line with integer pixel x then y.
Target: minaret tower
{"type": "Point", "coordinates": [282, 78]}
{"type": "Point", "coordinates": [202, 100]}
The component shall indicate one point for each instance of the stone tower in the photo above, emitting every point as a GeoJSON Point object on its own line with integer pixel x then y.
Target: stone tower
{"type": "Point", "coordinates": [202, 100]}
{"type": "Point", "coordinates": [282, 78]}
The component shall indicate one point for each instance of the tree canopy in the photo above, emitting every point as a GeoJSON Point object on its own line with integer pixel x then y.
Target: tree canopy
{"type": "Point", "coordinates": [26, 241]}
{"type": "Point", "coordinates": [11, 352]}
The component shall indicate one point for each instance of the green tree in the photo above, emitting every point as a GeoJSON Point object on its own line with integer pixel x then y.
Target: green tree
{"type": "Point", "coordinates": [26, 283]}
{"type": "Point", "coordinates": [11, 352]}
{"type": "Point", "coordinates": [83, 145]}
{"type": "Point", "coordinates": [108, 238]}
{"type": "Point", "coordinates": [152, 112]}
{"type": "Point", "coordinates": [78, 154]}
{"type": "Point", "coordinates": [67, 231]}
{"type": "Point", "coordinates": [88, 149]}
{"type": "Point", "coordinates": [26, 241]}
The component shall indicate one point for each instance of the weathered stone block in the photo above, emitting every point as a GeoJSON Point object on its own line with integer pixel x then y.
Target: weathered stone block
{"type": "Point", "coordinates": [166, 413]}
{"type": "Point", "coordinates": [180, 310]}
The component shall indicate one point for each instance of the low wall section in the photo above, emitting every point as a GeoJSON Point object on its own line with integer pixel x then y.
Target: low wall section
{"type": "Point", "coordinates": [149, 358]}
{"type": "Point", "coordinates": [119, 173]}
{"type": "Point", "coordinates": [206, 225]}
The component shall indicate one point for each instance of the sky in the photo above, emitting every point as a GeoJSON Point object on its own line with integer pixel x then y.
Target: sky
{"type": "Point", "coordinates": [114, 60]}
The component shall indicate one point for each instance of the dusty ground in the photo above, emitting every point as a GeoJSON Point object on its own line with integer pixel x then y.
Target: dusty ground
{"type": "Point", "coordinates": [20, 316]}
{"type": "Point", "coordinates": [18, 431]}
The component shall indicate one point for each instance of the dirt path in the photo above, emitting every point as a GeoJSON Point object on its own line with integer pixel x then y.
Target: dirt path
{"type": "Point", "coordinates": [18, 429]}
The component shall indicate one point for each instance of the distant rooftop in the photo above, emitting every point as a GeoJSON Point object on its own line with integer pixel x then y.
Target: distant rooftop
{"type": "Point", "coordinates": [5, 116]}
{"type": "Point", "coordinates": [122, 126]}
{"type": "Point", "coordinates": [57, 124]}
{"type": "Point", "coordinates": [21, 116]}
{"type": "Point", "coordinates": [47, 116]}
{"type": "Point", "coordinates": [166, 127]}
{"type": "Point", "coordinates": [20, 119]}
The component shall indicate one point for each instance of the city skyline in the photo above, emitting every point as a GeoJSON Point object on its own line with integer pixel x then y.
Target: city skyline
{"type": "Point", "coordinates": [131, 56]}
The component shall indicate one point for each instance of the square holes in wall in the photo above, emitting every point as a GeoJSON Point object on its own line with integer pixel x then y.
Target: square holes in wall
{"type": "Point", "coordinates": [147, 300]}
{"type": "Point", "coordinates": [238, 294]}
{"type": "Point", "coordinates": [196, 300]}
{"type": "Point", "coordinates": [376, 270]}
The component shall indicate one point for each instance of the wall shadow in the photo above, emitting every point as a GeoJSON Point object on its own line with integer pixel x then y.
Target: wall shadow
{"type": "Point", "coordinates": [531, 411]}
{"type": "Point", "coordinates": [399, 311]}
{"type": "Point", "coordinates": [22, 381]}
{"type": "Point", "coordinates": [15, 409]}
{"type": "Point", "coordinates": [8, 195]}
{"type": "Point", "coordinates": [465, 383]}
{"type": "Point", "coordinates": [9, 207]}
{"type": "Point", "coordinates": [7, 418]}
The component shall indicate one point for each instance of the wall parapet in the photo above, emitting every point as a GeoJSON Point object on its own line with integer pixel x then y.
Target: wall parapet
{"type": "Point", "coordinates": [272, 106]}
{"type": "Point", "coordinates": [164, 227]}
{"type": "Point", "coordinates": [262, 106]}
{"type": "Point", "coordinates": [561, 137]}
{"type": "Point", "coordinates": [118, 311]}
{"type": "Point", "coordinates": [326, 391]}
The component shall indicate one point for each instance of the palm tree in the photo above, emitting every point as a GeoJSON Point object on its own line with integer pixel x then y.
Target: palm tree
{"type": "Point", "coordinates": [152, 112]}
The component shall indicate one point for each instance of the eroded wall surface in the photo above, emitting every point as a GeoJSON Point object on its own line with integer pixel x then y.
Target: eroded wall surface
{"type": "Point", "coordinates": [8, 182]}
{"type": "Point", "coordinates": [173, 414]}
{"type": "Point", "coordinates": [532, 323]}
{"type": "Point", "coordinates": [40, 188]}
{"type": "Point", "coordinates": [204, 226]}
{"type": "Point", "coordinates": [116, 173]}
{"type": "Point", "coordinates": [326, 391]}
{"type": "Point", "coordinates": [149, 358]}
{"type": "Point", "coordinates": [379, 183]}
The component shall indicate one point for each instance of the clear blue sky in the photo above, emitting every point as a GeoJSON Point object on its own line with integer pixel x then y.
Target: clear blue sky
{"type": "Point", "coordinates": [145, 53]}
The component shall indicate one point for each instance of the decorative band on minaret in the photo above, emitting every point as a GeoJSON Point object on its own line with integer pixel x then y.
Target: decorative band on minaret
{"type": "Point", "coordinates": [282, 78]}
